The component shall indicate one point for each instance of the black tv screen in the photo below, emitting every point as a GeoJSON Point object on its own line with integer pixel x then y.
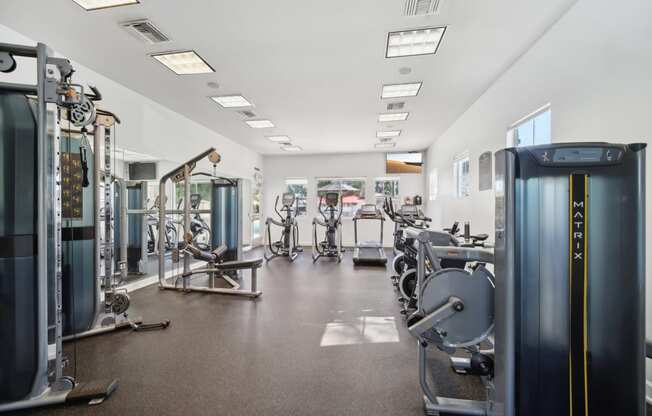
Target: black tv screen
{"type": "Point", "coordinates": [407, 162]}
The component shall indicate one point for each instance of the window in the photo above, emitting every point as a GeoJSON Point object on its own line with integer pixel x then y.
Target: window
{"type": "Point", "coordinates": [299, 187]}
{"type": "Point", "coordinates": [531, 130]}
{"type": "Point", "coordinates": [385, 187]}
{"type": "Point", "coordinates": [201, 188]}
{"type": "Point", "coordinates": [433, 184]}
{"type": "Point", "coordinates": [351, 190]}
{"type": "Point", "coordinates": [461, 174]}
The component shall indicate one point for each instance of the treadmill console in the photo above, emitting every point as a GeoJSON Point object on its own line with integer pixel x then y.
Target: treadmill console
{"type": "Point", "coordinates": [369, 211]}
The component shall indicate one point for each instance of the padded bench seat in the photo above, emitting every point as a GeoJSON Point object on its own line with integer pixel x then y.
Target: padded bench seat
{"type": "Point", "coordinates": [240, 264]}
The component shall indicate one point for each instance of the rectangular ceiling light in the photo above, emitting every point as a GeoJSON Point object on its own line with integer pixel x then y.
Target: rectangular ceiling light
{"type": "Point", "coordinates": [291, 148]}
{"type": "Point", "coordinates": [386, 134]}
{"type": "Point", "coordinates": [401, 90]}
{"type": "Point", "coordinates": [90, 5]}
{"type": "Point", "coordinates": [414, 42]}
{"type": "Point", "coordinates": [183, 62]}
{"type": "Point", "coordinates": [392, 117]}
{"type": "Point", "coordinates": [386, 145]}
{"type": "Point", "coordinates": [279, 139]}
{"type": "Point", "coordinates": [259, 124]}
{"type": "Point", "coordinates": [231, 101]}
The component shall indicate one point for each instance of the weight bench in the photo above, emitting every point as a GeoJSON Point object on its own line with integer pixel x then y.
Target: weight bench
{"type": "Point", "coordinates": [218, 268]}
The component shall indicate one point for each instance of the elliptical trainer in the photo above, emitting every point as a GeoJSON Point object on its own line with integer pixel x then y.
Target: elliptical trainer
{"type": "Point", "coordinates": [286, 245]}
{"type": "Point", "coordinates": [331, 246]}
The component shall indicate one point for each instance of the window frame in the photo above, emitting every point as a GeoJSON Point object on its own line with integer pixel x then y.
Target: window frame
{"type": "Point", "coordinates": [433, 184]}
{"type": "Point", "coordinates": [462, 190]}
{"type": "Point", "coordinates": [531, 117]}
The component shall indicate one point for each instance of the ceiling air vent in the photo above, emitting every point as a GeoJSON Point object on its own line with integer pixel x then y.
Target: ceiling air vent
{"type": "Point", "coordinates": [395, 106]}
{"type": "Point", "coordinates": [247, 113]}
{"type": "Point", "coordinates": [421, 7]}
{"type": "Point", "coordinates": [144, 30]}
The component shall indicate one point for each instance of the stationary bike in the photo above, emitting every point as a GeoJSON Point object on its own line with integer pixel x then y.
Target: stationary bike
{"type": "Point", "coordinates": [287, 244]}
{"type": "Point", "coordinates": [331, 246]}
{"type": "Point", "coordinates": [408, 217]}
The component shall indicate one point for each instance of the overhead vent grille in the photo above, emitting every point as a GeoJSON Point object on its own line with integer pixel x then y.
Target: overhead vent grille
{"type": "Point", "coordinates": [396, 106]}
{"type": "Point", "coordinates": [421, 7]}
{"type": "Point", "coordinates": [247, 113]}
{"type": "Point", "coordinates": [144, 30]}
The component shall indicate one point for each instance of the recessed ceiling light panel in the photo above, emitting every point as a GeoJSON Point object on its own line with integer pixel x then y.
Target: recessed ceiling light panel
{"type": "Point", "coordinates": [414, 42]}
{"type": "Point", "coordinates": [382, 118]}
{"type": "Point", "coordinates": [279, 139]}
{"type": "Point", "coordinates": [183, 62]}
{"type": "Point", "coordinates": [259, 124]}
{"type": "Point", "coordinates": [291, 148]}
{"type": "Point", "coordinates": [90, 5]}
{"type": "Point", "coordinates": [387, 145]}
{"type": "Point", "coordinates": [389, 133]}
{"type": "Point", "coordinates": [231, 101]}
{"type": "Point", "coordinates": [401, 90]}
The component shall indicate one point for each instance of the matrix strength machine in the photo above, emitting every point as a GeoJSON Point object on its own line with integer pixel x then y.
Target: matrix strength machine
{"type": "Point", "coordinates": [369, 252]}
{"type": "Point", "coordinates": [223, 257]}
{"type": "Point", "coordinates": [567, 305]}
{"type": "Point", "coordinates": [31, 210]}
{"type": "Point", "coordinates": [287, 244]}
{"type": "Point", "coordinates": [331, 246]}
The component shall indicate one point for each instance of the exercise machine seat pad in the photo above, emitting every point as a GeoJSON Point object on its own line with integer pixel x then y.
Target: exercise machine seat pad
{"type": "Point", "coordinates": [240, 264]}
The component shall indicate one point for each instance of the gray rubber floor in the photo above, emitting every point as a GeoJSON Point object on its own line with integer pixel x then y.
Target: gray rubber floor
{"type": "Point", "coordinates": [320, 341]}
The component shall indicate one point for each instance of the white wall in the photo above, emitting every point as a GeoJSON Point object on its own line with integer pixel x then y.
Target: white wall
{"type": "Point", "coordinates": [368, 165]}
{"type": "Point", "coordinates": [595, 69]}
{"type": "Point", "coordinates": [147, 127]}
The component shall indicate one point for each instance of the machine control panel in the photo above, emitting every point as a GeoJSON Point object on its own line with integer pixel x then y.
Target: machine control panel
{"type": "Point", "coordinates": [577, 156]}
{"type": "Point", "coordinates": [332, 199]}
{"type": "Point", "coordinates": [369, 211]}
{"type": "Point", "coordinates": [409, 211]}
{"type": "Point", "coordinates": [195, 200]}
{"type": "Point", "coordinates": [288, 199]}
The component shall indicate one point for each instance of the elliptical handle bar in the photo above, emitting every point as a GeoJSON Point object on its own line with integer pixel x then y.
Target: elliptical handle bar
{"type": "Point", "coordinates": [339, 217]}
{"type": "Point", "coordinates": [276, 207]}
{"type": "Point", "coordinates": [321, 198]}
{"type": "Point", "coordinates": [388, 207]}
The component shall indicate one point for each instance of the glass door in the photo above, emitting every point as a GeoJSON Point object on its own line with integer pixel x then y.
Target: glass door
{"type": "Point", "coordinates": [251, 224]}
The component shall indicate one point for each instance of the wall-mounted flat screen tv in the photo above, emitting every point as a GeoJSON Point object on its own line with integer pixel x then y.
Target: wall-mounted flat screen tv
{"type": "Point", "coordinates": [409, 162]}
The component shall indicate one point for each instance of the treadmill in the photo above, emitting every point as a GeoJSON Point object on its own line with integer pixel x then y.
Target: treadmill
{"type": "Point", "coordinates": [369, 252]}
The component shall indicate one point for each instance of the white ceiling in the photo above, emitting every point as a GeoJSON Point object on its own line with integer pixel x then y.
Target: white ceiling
{"type": "Point", "coordinates": [313, 67]}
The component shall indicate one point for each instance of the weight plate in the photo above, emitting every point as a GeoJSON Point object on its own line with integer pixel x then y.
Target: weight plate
{"type": "Point", "coordinates": [120, 303]}
{"type": "Point", "coordinates": [398, 264]}
{"type": "Point", "coordinates": [476, 290]}
{"type": "Point", "coordinates": [408, 283]}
